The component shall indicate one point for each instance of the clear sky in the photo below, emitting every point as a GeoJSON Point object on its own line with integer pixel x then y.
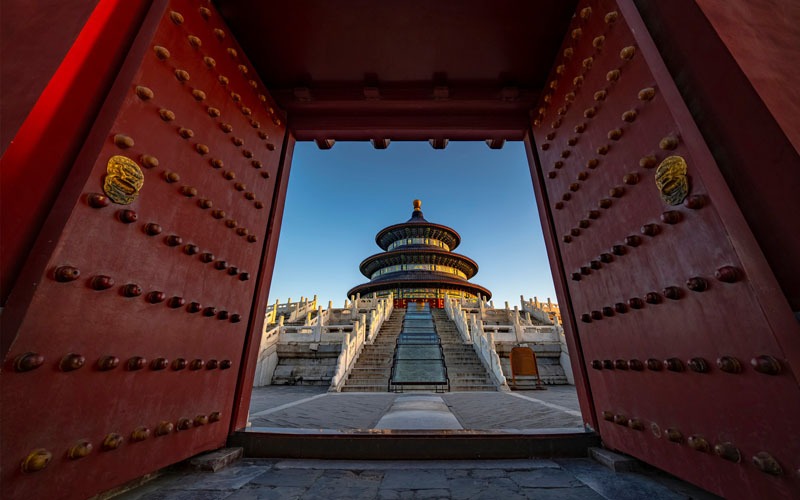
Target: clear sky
{"type": "Point", "coordinates": [338, 199]}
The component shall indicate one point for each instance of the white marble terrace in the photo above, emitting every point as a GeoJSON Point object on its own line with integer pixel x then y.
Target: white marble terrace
{"type": "Point", "coordinates": [303, 330]}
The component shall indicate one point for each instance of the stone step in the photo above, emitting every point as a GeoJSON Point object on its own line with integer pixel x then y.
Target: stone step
{"type": "Point", "coordinates": [373, 367]}
{"type": "Point", "coordinates": [364, 388]}
{"type": "Point", "coordinates": [465, 364]}
{"type": "Point", "coordinates": [357, 382]}
{"type": "Point", "coordinates": [466, 379]}
{"type": "Point", "coordinates": [464, 368]}
{"type": "Point", "coordinates": [469, 388]}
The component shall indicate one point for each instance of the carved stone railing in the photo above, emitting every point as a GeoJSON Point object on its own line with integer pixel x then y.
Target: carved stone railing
{"type": "Point", "coordinates": [539, 311]}
{"type": "Point", "coordinates": [472, 332]}
{"type": "Point", "coordinates": [353, 343]}
{"type": "Point", "coordinates": [290, 311]}
{"type": "Point", "coordinates": [351, 347]}
{"type": "Point", "coordinates": [352, 326]}
{"type": "Point", "coordinates": [483, 343]}
{"type": "Point", "coordinates": [455, 313]}
{"type": "Point", "coordinates": [383, 309]}
{"type": "Point", "coordinates": [267, 355]}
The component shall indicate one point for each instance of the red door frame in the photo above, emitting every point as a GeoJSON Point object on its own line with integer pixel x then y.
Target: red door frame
{"type": "Point", "coordinates": [47, 170]}
{"type": "Point", "coordinates": [72, 93]}
{"type": "Point", "coordinates": [568, 320]}
{"type": "Point", "coordinates": [75, 87]}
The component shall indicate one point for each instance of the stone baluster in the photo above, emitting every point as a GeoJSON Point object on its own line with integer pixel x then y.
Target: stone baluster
{"type": "Point", "coordinates": [517, 326]}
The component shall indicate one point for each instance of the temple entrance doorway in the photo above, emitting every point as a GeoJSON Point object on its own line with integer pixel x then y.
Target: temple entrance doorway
{"type": "Point", "coordinates": [337, 200]}
{"type": "Point", "coordinates": [148, 189]}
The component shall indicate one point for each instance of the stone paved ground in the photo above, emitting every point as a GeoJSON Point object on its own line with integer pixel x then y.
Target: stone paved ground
{"type": "Point", "coordinates": [498, 410]}
{"type": "Point", "coordinates": [348, 410]}
{"type": "Point", "coordinates": [312, 407]}
{"type": "Point", "coordinates": [271, 396]}
{"type": "Point", "coordinates": [565, 479]}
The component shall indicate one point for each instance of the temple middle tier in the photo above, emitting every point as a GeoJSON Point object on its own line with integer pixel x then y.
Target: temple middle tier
{"type": "Point", "coordinates": [419, 259]}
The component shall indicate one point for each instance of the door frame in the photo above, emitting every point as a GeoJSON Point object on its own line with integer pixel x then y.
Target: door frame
{"type": "Point", "coordinates": [115, 49]}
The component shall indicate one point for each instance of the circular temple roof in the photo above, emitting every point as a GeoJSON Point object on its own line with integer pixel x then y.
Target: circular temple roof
{"type": "Point", "coordinates": [415, 253]}
{"type": "Point", "coordinates": [417, 227]}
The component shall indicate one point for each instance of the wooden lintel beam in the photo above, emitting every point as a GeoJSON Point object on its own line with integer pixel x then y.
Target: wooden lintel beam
{"type": "Point", "coordinates": [409, 127]}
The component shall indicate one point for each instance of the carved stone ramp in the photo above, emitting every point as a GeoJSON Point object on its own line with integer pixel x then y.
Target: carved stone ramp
{"type": "Point", "coordinates": [418, 358]}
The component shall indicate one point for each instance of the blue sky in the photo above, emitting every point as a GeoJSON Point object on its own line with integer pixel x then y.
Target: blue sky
{"type": "Point", "coordinates": [338, 199]}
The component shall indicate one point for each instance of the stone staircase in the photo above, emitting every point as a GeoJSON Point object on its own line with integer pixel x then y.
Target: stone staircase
{"type": "Point", "coordinates": [464, 368]}
{"type": "Point", "coordinates": [299, 365]}
{"type": "Point", "coordinates": [374, 365]}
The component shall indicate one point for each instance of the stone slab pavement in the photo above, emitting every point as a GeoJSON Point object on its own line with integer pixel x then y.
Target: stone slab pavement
{"type": "Point", "coordinates": [418, 412]}
{"type": "Point", "coordinates": [563, 479]}
{"type": "Point", "coordinates": [312, 407]}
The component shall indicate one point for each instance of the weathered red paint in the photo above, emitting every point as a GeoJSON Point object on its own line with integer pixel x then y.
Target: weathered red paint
{"type": "Point", "coordinates": [599, 196]}
{"type": "Point", "coordinates": [763, 59]}
{"type": "Point", "coordinates": [33, 48]}
{"type": "Point", "coordinates": [133, 330]}
{"type": "Point", "coordinates": [642, 356]}
{"type": "Point", "coordinates": [734, 86]}
{"type": "Point", "coordinates": [34, 166]}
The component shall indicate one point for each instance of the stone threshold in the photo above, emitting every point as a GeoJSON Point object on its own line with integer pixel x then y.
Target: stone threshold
{"type": "Point", "coordinates": [394, 444]}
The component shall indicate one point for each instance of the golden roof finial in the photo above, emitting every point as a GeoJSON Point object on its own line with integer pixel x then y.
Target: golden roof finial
{"type": "Point", "coordinates": [417, 205]}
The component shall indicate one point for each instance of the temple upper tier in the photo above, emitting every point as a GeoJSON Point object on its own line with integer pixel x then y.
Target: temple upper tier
{"type": "Point", "coordinates": [418, 264]}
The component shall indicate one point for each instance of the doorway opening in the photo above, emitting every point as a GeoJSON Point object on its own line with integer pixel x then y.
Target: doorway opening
{"type": "Point", "coordinates": [337, 200]}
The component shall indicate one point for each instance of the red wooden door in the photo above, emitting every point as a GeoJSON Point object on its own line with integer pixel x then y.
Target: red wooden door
{"type": "Point", "coordinates": [128, 356]}
{"type": "Point", "coordinates": [689, 351]}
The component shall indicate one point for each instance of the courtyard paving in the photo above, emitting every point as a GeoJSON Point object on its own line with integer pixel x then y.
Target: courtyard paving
{"type": "Point", "coordinates": [312, 407]}
{"type": "Point", "coordinates": [562, 479]}
{"type": "Point", "coordinates": [309, 407]}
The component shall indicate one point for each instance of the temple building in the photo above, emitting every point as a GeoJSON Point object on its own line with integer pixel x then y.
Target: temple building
{"type": "Point", "coordinates": [418, 264]}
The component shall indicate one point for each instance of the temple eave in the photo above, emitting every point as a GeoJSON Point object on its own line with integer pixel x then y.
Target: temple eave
{"type": "Point", "coordinates": [390, 234]}
{"type": "Point", "coordinates": [428, 256]}
{"type": "Point", "coordinates": [437, 283]}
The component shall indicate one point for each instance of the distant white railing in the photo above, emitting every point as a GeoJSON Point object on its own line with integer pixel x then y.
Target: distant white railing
{"type": "Point", "coordinates": [477, 322]}
{"type": "Point", "coordinates": [540, 311]}
{"type": "Point", "coordinates": [290, 311]}
{"type": "Point", "coordinates": [267, 355]}
{"type": "Point", "coordinates": [483, 343]}
{"type": "Point", "coordinates": [458, 316]}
